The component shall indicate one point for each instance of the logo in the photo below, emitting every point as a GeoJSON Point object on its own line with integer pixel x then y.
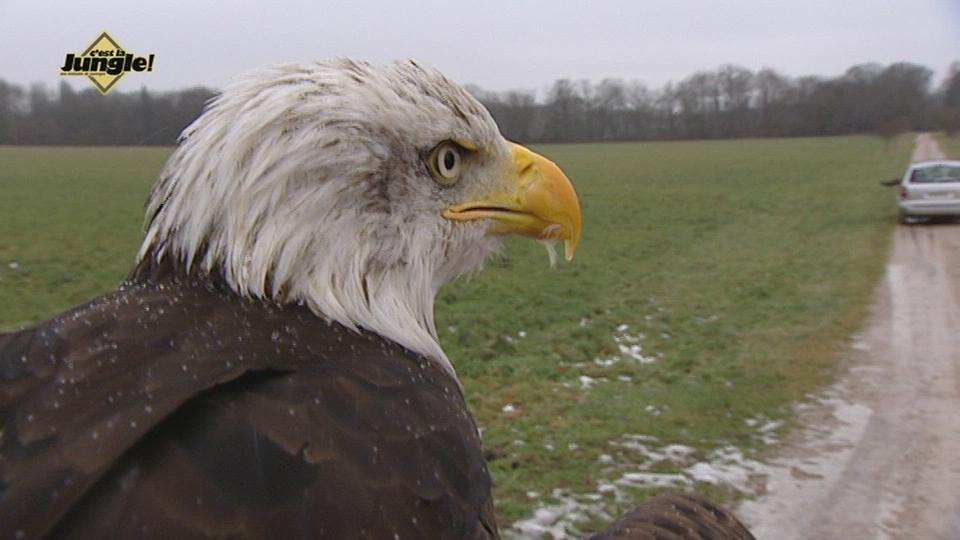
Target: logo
{"type": "Point", "coordinates": [105, 62]}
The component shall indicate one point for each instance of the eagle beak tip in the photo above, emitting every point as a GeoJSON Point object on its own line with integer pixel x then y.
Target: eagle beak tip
{"type": "Point", "coordinates": [540, 202]}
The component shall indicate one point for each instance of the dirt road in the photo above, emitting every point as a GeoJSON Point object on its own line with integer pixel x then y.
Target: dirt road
{"type": "Point", "coordinates": [877, 455]}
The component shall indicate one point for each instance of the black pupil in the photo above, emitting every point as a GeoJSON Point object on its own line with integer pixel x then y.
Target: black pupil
{"type": "Point", "coordinates": [449, 160]}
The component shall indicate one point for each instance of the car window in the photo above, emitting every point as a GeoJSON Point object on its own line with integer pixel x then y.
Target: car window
{"type": "Point", "coordinates": [935, 174]}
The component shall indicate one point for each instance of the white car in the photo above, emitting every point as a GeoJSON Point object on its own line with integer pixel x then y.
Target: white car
{"type": "Point", "coordinates": [930, 189]}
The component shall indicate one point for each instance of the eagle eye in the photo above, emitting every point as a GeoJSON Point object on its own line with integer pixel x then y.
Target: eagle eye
{"type": "Point", "coordinates": [446, 163]}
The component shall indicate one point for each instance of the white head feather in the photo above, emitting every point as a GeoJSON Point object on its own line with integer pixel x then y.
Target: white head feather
{"type": "Point", "coordinates": [306, 183]}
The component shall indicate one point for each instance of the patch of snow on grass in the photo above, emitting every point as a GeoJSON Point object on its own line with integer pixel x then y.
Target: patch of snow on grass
{"type": "Point", "coordinates": [676, 467]}
{"type": "Point", "coordinates": [559, 520]}
{"type": "Point", "coordinates": [648, 479]}
{"type": "Point", "coordinates": [728, 466]}
{"type": "Point", "coordinates": [629, 348]}
{"type": "Point", "coordinates": [765, 428]}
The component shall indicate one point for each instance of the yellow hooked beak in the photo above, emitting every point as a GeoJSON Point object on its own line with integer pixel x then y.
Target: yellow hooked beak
{"type": "Point", "coordinates": [540, 203]}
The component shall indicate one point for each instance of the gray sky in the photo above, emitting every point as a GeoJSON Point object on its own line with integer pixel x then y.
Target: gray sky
{"type": "Point", "coordinates": [498, 45]}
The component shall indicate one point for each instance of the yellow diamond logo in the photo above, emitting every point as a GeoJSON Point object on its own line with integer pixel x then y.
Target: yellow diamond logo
{"type": "Point", "coordinates": [105, 62]}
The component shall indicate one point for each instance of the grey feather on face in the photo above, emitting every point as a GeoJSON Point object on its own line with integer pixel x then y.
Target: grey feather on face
{"type": "Point", "coordinates": [307, 183]}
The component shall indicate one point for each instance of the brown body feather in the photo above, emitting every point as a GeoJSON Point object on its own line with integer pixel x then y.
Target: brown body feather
{"type": "Point", "coordinates": [176, 409]}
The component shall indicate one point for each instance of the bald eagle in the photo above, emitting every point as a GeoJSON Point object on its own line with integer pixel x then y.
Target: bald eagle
{"type": "Point", "coordinates": [271, 367]}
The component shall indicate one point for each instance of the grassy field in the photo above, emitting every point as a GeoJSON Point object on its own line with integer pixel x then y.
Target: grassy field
{"type": "Point", "coordinates": [736, 270]}
{"type": "Point", "coordinates": [70, 224]}
{"type": "Point", "coordinates": [950, 145]}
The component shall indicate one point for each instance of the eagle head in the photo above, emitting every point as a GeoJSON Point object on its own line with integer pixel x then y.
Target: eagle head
{"type": "Point", "coordinates": [353, 189]}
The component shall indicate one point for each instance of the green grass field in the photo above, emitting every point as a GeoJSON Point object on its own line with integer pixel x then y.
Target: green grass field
{"type": "Point", "coordinates": [70, 224]}
{"type": "Point", "coordinates": [950, 145]}
{"type": "Point", "coordinates": [740, 267]}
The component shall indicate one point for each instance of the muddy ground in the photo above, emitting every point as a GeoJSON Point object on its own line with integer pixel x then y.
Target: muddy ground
{"type": "Point", "coordinates": [877, 455]}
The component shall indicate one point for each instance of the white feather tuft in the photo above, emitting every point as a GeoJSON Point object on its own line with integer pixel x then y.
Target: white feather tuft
{"type": "Point", "coordinates": [551, 246]}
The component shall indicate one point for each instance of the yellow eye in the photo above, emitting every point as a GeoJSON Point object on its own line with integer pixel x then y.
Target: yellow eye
{"type": "Point", "coordinates": [446, 162]}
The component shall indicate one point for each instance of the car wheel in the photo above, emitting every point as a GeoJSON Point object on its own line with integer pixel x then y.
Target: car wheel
{"type": "Point", "coordinates": [902, 217]}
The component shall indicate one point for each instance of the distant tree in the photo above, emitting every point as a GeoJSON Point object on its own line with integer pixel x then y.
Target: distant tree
{"type": "Point", "coordinates": [12, 106]}
{"type": "Point", "coordinates": [516, 112]}
{"type": "Point", "coordinates": [736, 86]}
{"type": "Point", "coordinates": [903, 95]}
{"type": "Point", "coordinates": [951, 86]}
{"type": "Point", "coordinates": [42, 125]}
{"type": "Point", "coordinates": [564, 108]}
{"type": "Point", "coordinates": [695, 98]}
{"type": "Point", "coordinates": [772, 100]}
{"type": "Point", "coordinates": [610, 119]}
{"type": "Point", "coordinates": [948, 119]}
{"type": "Point", "coordinates": [523, 115]}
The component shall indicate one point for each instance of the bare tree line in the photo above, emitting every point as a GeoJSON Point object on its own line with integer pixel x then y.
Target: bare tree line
{"type": "Point", "coordinates": [38, 116]}
{"type": "Point", "coordinates": [727, 102]}
{"type": "Point", "coordinates": [733, 101]}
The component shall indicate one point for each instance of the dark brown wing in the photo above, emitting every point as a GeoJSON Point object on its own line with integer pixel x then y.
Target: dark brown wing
{"type": "Point", "coordinates": [677, 517]}
{"type": "Point", "coordinates": [181, 411]}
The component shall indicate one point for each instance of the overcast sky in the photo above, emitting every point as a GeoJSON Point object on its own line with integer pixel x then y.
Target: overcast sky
{"type": "Point", "coordinates": [524, 44]}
